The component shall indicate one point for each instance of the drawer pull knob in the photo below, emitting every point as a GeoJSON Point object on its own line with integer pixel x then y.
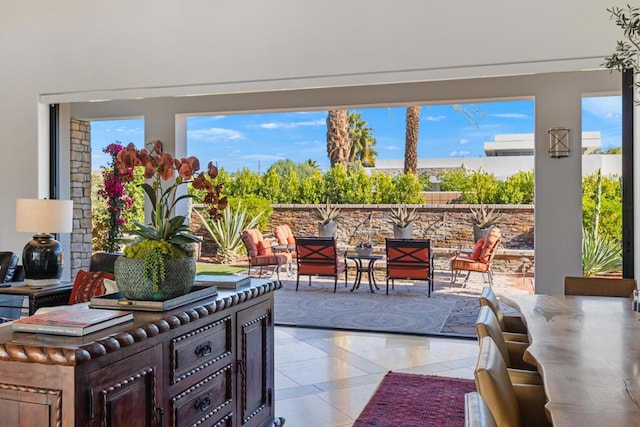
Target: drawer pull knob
{"type": "Point", "coordinates": [203, 402]}
{"type": "Point", "coordinates": [204, 349]}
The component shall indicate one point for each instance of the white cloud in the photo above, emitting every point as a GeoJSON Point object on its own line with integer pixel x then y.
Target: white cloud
{"type": "Point", "coordinates": [391, 147]}
{"type": "Point", "coordinates": [291, 125]}
{"type": "Point", "coordinates": [216, 135]}
{"type": "Point", "coordinates": [464, 141]}
{"type": "Point", "coordinates": [510, 116]}
{"type": "Point", "coordinates": [435, 118]}
{"type": "Point", "coordinates": [459, 153]}
{"type": "Point", "coordinates": [266, 157]}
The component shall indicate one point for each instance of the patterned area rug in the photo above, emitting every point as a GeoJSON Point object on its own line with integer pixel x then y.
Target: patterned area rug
{"type": "Point", "coordinates": [410, 400]}
{"type": "Point", "coordinates": [407, 309]}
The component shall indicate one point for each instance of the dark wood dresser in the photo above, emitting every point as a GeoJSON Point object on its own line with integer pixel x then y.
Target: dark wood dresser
{"type": "Point", "coordinates": [208, 363]}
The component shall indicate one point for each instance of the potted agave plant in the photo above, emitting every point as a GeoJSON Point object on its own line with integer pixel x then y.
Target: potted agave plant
{"type": "Point", "coordinates": [159, 264]}
{"type": "Point", "coordinates": [402, 220]}
{"type": "Point", "coordinates": [327, 215]}
{"type": "Point", "coordinates": [483, 221]}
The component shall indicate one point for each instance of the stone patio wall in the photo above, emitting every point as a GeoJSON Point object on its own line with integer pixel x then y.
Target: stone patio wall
{"type": "Point", "coordinates": [448, 226]}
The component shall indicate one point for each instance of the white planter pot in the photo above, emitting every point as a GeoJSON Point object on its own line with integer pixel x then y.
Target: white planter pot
{"type": "Point", "coordinates": [403, 233]}
{"type": "Point", "coordinates": [328, 230]}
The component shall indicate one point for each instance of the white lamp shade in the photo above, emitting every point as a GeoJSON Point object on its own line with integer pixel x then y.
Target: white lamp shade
{"type": "Point", "coordinates": [44, 216]}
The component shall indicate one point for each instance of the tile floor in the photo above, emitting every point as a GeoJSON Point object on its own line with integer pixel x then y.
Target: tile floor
{"type": "Point", "coordinates": [324, 378]}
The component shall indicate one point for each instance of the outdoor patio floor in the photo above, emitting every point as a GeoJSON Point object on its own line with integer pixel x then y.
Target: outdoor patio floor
{"type": "Point", "coordinates": [454, 309]}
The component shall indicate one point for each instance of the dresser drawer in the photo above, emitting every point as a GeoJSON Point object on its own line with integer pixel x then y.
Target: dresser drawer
{"type": "Point", "coordinates": [200, 348]}
{"type": "Point", "coordinates": [207, 403]}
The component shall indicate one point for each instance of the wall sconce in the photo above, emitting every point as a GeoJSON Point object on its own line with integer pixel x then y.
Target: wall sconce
{"type": "Point", "coordinates": [42, 257]}
{"type": "Point", "coordinates": [558, 142]}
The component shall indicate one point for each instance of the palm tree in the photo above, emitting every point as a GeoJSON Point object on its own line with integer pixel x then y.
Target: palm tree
{"type": "Point", "coordinates": [362, 141]}
{"type": "Point", "coordinates": [338, 136]}
{"type": "Point", "coordinates": [413, 130]}
{"type": "Point", "coordinates": [411, 139]}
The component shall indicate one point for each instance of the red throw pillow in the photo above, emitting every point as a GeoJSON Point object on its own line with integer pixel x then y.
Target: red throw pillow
{"type": "Point", "coordinates": [475, 255]}
{"type": "Point", "coordinates": [88, 284]}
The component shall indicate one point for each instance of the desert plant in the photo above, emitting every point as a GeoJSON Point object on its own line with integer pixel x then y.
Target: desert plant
{"type": "Point", "coordinates": [327, 213]}
{"type": "Point", "coordinates": [226, 233]}
{"type": "Point", "coordinates": [600, 255]}
{"type": "Point", "coordinates": [484, 218]}
{"type": "Point", "coordinates": [402, 217]}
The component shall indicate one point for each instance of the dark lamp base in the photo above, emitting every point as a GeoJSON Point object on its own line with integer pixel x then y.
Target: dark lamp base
{"type": "Point", "coordinates": [43, 260]}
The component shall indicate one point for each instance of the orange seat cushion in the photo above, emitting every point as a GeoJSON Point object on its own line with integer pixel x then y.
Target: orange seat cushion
{"type": "Point", "coordinates": [464, 262]}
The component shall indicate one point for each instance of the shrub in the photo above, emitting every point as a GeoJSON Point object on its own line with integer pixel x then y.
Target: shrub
{"type": "Point", "coordinates": [256, 207]}
{"type": "Point", "coordinates": [226, 233]}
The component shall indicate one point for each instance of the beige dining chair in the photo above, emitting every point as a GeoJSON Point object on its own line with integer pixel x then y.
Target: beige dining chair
{"type": "Point", "coordinates": [476, 412]}
{"type": "Point", "coordinates": [599, 286]}
{"type": "Point", "coordinates": [513, 328]}
{"type": "Point", "coordinates": [512, 352]}
{"type": "Point", "coordinates": [510, 404]}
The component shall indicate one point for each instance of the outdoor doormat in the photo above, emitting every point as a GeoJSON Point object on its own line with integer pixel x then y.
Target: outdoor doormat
{"type": "Point", "coordinates": [411, 400]}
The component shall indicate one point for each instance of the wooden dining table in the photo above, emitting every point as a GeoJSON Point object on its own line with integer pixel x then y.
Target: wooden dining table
{"type": "Point", "coordinates": [587, 350]}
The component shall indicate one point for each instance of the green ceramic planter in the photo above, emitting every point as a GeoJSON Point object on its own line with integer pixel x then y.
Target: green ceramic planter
{"type": "Point", "coordinates": [134, 285]}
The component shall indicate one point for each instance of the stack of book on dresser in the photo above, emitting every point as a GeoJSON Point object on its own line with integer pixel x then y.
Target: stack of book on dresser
{"type": "Point", "coordinates": [72, 321]}
{"type": "Point", "coordinates": [223, 281]}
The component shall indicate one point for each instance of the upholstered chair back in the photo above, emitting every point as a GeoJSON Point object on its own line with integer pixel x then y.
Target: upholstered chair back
{"type": "Point", "coordinates": [494, 385]}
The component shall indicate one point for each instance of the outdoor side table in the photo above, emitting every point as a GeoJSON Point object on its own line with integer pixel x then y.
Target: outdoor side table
{"type": "Point", "coordinates": [362, 268]}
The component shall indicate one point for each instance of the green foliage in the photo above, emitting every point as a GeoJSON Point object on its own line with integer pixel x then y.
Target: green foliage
{"type": "Point", "coordinates": [302, 170]}
{"type": "Point", "coordinates": [383, 188]}
{"type": "Point", "coordinates": [479, 187]}
{"type": "Point", "coordinates": [256, 207]}
{"type": "Point", "coordinates": [627, 51]}
{"type": "Point", "coordinates": [609, 150]}
{"type": "Point", "coordinates": [600, 254]}
{"type": "Point", "coordinates": [242, 183]}
{"type": "Point", "coordinates": [517, 189]}
{"type": "Point", "coordinates": [312, 189]}
{"type": "Point", "coordinates": [226, 233]}
{"type": "Point", "coordinates": [340, 184]}
{"type": "Point", "coordinates": [337, 184]}
{"type": "Point", "coordinates": [272, 187]}
{"type": "Point", "coordinates": [609, 219]}
{"type": "Point", "coordinates": [362, 141]}
{"type": "Point", "coordinates": [407, 189]}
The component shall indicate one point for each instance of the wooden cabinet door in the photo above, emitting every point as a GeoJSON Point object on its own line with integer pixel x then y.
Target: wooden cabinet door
{"type": "Point", "coordinates": [22, 406]}
{"type": "Point", "coordinates": [124, 394]}
{"type": "Point", "coordinates": [255, 365]}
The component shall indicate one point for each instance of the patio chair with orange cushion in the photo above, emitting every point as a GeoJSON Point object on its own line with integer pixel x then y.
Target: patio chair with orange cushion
{"type": "Point", "coordinates": [319, 256]}
{"type": "Point", "coordinates": [260, 254]}
{"type": "Point", "coordinates": [479, 260]}
{"type": "Point", "coordinates": [285, 238]}
{"type": "Point", "coordinates": [409, 259]}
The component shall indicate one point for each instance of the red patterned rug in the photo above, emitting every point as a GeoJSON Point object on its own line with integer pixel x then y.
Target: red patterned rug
{"type": "Point", "coordinates": [410, 400]}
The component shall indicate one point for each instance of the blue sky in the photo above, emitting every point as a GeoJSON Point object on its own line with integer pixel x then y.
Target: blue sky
{"type": "Point", "coordinates": [257, 140]}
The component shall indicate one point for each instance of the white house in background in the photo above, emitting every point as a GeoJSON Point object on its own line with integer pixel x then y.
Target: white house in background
{"type": "Point", "coordinates": [519, 150]}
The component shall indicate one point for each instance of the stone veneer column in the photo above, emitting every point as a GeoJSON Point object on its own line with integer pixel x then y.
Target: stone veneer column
{"type": "Point", "coordinates": [81, 195]}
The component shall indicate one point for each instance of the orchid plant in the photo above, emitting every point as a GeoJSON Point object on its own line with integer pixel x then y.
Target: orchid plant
{"type": "Point", "coordinates": [167, 236]}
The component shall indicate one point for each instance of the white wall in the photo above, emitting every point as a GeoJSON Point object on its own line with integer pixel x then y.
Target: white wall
{"type": "Point", "coordinates": [68, 51]}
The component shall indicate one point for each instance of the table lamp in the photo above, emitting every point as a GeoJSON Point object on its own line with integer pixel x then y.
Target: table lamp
{"type": "Point", "coordinates": [42, 257]}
